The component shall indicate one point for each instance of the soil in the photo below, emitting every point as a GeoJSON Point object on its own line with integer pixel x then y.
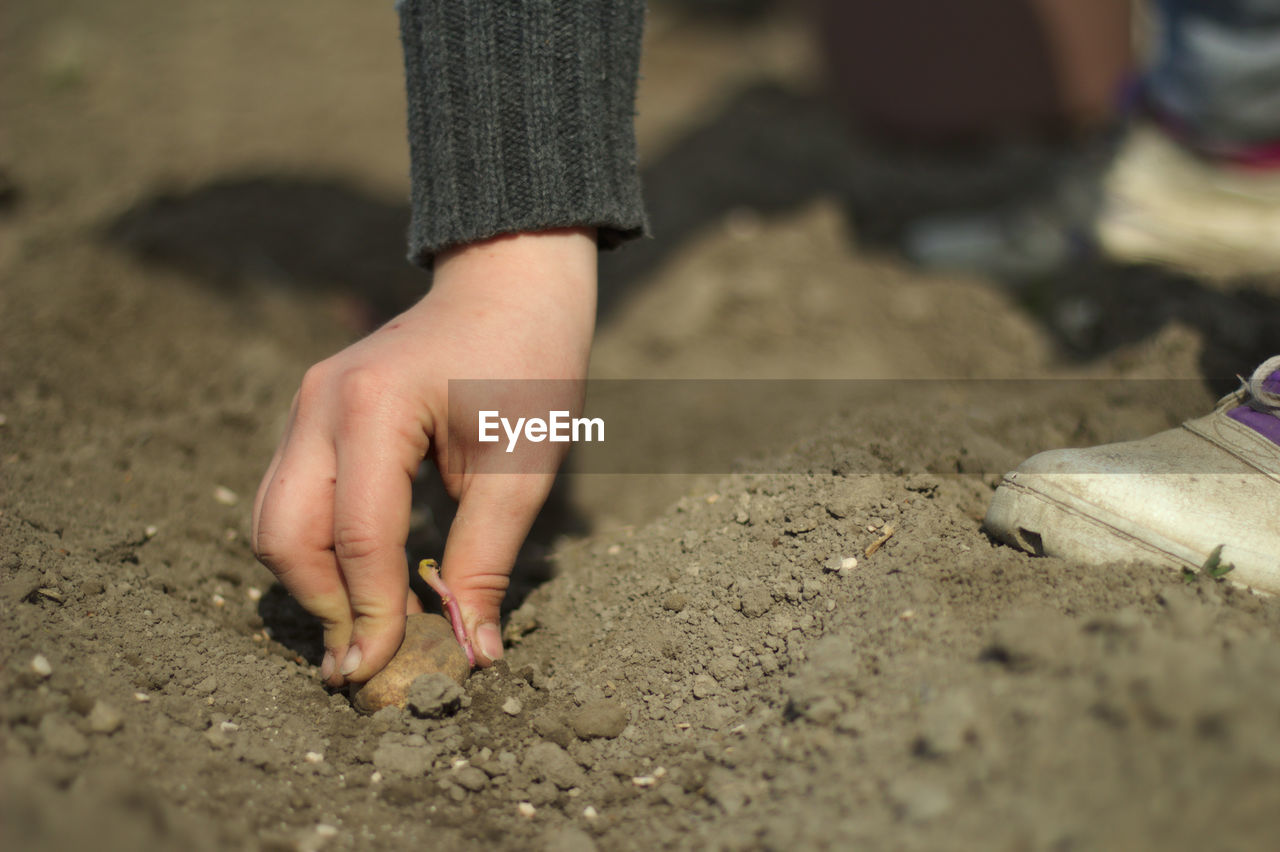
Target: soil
{"type": "Point", "coordinates": [199, 201]}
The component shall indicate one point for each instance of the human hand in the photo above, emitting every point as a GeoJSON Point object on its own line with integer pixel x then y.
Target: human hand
{"type": "Point", "coordinates": [331, 516]}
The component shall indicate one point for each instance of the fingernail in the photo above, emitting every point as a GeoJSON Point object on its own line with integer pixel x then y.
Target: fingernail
{"type": "Point", "coordinates": [351, 661]}
{"type": "Point", "coordinates": [326, 666]}
{"type": "Point", "coordinates": [489, 638]}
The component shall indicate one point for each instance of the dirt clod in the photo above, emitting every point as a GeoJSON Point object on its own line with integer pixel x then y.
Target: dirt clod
{"type": "Point", "coordinates": [549, 762]}
{"type": "Point", "coordinates": [604, 718]}
{"type": "Point", "coordinates": [434, 696]}
{"type": "Point", "coordinates": [62, 738]}
{"type": "Point", "coordinates": [404, 754]}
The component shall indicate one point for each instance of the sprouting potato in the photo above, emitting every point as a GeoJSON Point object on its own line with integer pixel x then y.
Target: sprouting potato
{"type": "Point", "coordinates": [429, 646]}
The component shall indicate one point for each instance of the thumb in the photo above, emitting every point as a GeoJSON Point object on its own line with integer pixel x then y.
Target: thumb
{"type": "Point", "coordinates": [495, 512]}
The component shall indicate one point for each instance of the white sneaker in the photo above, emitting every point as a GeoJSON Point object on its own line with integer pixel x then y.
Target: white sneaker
{"type": "Point", "coordinates": [1162, 204]}
{"type": "Point", "coordinates": [1204, 494]}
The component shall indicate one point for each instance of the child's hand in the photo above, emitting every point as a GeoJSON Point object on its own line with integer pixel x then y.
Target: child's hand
{"type": "Point", "coordinates": [332, 513]}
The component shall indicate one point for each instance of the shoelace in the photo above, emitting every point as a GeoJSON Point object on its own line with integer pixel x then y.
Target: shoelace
{"type": "Point", "coordinates": [1261, 399]}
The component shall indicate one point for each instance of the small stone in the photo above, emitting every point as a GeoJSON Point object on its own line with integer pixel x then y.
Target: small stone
{"type": "Point", "coordinates": [40, 665]}
{"type": "Point", "coordinates": [254, 593]}
{"type": "Point", "coordinates": [141, 697]}
{"type": "Point", "coordinates": [313, 757]}
{"type": "Point", "coordinates": [151, 531]}
{"type": "Point", "coordinates": [104, 719]}
{"type": "Point", "coordinates": [61, 737]}
{"type": "Point", "coordinates": [840, 564]}
{"type": "Point", "coordinates": [590, 813]}
{"type": "Point", "coordinates": [603, 719]}
{"type": "Point", "coordinates": [471, 779]}
{"type": "Point", "coordinates": [526, 810]}
{"type": "Point", "coordinates": [225, 496]}
{"type": "Point", "coordinates": [674, 602]}
{"type": "Point", "coordinates": [217, 738]}
{"type": "Point", "coordinates": [512, 706]}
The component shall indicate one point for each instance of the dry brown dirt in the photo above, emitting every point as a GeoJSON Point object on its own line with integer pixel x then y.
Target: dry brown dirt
{"type": "Point", "coordinates": [200, 200]}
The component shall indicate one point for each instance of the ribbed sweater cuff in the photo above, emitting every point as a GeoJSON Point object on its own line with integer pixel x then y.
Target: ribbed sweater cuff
{"type": "Point", "coordinates": [521, 118]}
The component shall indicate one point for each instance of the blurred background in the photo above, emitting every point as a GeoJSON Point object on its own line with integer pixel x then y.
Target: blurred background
{"type": "Point", "coordinates": [836, 190]}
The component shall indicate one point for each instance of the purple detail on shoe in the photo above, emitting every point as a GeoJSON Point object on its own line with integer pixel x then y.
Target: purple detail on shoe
{"type": "Point", "coordinates": [1271, 384]}
{"type": "Point", "coordinates": [1266, 425]}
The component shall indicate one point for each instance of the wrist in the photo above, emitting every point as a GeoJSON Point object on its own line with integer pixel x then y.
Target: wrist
{"type": "Point", "coordinates": [557, 264]}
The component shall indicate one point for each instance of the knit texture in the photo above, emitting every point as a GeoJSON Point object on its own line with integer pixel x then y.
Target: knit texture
{"type": "Point", "coordinates": [521, 118]}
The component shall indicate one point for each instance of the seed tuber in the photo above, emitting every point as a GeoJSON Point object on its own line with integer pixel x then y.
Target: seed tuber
{"type": "Point", "coordinates": [428, 646]}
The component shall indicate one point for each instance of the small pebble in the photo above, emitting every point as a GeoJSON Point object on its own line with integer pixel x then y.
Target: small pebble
{"type": "Point", "coordinates": [151, 531]}
{"type": "Point", "coordinates": [589, 812]}
{"type": "Point", "coordinates": [313, 757]}
{"type": "Point", "coordinates": [512, 706]}
{"type": "Point", "coordinates": [225, 496]}
{"type": "Point", "coordinates": [471, 779]}
{"type": "Point", "coordinates": [644, 780]}
{"type": "Point", "coordinates": [219, 600]}
{"type": "Point", "coordinates": [326, 830]}
{"type": "Point", "coordinates": [526, 810]}
{"type": "Point", "coordinates": [104, 719]}
{"type": "Point", "coordinates": [40, 665]}
{"type": "Point", "coordinates": [217, 738]}
{"type": "Point", "coordinates": [840, 564]}
{"type": "Point", "coordinates": [254, 593]}
{"type": "Point", "coordinates": [141, 697]}
{"type": "Point", "coordinates": [375, 778]}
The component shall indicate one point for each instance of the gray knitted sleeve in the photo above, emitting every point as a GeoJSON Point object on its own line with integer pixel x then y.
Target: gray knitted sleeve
{"type": "Point", "coordinates": [521, 118]}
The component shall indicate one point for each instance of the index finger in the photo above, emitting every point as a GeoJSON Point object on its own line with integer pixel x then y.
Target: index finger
{"type": "Point", "coordinates": [372, 497]}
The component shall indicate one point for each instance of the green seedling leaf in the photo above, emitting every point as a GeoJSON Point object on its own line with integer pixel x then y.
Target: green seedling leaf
{"type": "Point", "coordinates": [1189, 575]}
{"type": "Point", "coordinates": [1215, 567]}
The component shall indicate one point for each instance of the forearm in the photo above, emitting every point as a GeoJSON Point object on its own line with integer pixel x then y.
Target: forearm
{"type": "Point", "coordinates": [521, 118]}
